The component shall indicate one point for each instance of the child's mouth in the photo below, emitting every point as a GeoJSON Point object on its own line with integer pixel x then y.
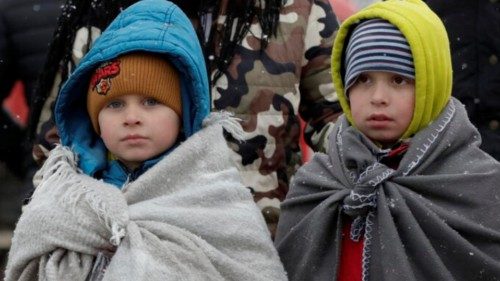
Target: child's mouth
{"type": "Point", "coordinates": [379, 117]}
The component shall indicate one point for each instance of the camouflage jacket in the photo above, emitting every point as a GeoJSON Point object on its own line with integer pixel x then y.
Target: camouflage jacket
{"type": "Point", "coordinates": [268, 90]}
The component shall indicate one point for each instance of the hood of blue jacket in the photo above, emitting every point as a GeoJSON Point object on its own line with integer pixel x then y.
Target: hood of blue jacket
{"type": "Point", "coordinates": [156, 26]}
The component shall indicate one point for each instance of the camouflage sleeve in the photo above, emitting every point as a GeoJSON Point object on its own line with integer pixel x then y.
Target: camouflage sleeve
{"type": "Point", "coordinates": [46, 136]}
{"type": "Point", "coordinates": [319, 106]}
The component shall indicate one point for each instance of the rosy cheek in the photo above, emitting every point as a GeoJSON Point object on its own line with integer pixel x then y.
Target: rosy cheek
{"type": "Point", "coordinates": [104, 136]}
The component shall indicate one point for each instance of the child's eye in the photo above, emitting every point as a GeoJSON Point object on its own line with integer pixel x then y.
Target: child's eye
{"type": "Point", "coordinates": [401, 80]}
{"type": "Point", "coordinates": [115, 104]}
{"type": "Point", "coordinates": [362, 78]}
{"type": "Point", "coordinates": [150, 102]}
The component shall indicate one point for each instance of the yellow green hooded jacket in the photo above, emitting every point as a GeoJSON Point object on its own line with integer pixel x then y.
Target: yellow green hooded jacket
{"type": "Point", "coordinates": [429, 45]}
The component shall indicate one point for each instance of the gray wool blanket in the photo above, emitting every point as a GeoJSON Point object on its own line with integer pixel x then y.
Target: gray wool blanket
{"type": "Point", "coordinates": [436, 217]}
{"type": "Point", "coordinates": [187, 218]}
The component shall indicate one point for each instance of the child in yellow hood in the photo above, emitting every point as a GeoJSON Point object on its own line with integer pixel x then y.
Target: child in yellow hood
{"type": "Point", "coordinates": [404, 191]}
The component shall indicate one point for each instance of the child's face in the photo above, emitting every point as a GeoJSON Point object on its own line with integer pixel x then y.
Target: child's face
{"type": "Point", "coordinates": [136, 128]}
{"type": "Point", "coordinates": [382, 105]}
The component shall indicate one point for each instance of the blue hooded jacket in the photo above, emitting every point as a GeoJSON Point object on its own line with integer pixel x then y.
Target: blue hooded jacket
{"type": "Point", "coordinates": [156, 26]}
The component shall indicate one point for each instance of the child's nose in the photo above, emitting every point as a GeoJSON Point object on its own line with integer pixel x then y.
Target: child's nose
{"type": "Point", "coordinates": [379, 95]}
{"type": "Point", "coordinates": [132, 116]}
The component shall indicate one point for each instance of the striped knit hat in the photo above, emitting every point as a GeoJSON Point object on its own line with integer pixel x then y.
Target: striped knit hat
{"type": "Point", "coordinates": [377, 45]}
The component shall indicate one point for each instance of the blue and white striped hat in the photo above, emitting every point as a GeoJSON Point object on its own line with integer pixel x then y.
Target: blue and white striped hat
{"type": "Point", "coordinates": [377, 45]}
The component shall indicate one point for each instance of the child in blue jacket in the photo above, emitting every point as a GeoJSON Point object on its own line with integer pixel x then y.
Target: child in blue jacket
{"type": "Point", "coordinates": [142, 186]}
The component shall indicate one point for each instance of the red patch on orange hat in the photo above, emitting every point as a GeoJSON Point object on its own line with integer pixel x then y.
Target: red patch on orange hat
{"type": "Point", "coordinates": [101, 79]}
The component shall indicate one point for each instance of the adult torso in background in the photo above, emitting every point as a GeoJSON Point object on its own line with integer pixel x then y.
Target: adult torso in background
{"type": "Point", "coordinates": [474, 31]}
{"type": "Point", "coordinates": [268, 88]}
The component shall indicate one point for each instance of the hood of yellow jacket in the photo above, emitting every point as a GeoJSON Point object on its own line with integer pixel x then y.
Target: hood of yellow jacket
{"type": "Point", "coordinates": [430, 48]}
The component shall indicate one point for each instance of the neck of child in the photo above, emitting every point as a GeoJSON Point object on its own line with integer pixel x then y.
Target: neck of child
{"type": "Point", "coordinates": [131, 166]}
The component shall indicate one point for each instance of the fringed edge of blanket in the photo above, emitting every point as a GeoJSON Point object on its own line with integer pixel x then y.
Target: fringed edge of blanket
{"type": "Point", "coordinates": [60, 170]}
{"type": "Point", "coordinates": [227, 120]}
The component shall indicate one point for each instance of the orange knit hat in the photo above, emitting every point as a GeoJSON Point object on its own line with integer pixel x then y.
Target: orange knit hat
{"type": "Point", "coordinates": [133, 74]}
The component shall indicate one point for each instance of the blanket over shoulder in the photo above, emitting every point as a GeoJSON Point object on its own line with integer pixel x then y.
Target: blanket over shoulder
{"type": "Point", "coordinates": [433, 218]}
{"type": "Point", "coordinates": [187, 218]}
